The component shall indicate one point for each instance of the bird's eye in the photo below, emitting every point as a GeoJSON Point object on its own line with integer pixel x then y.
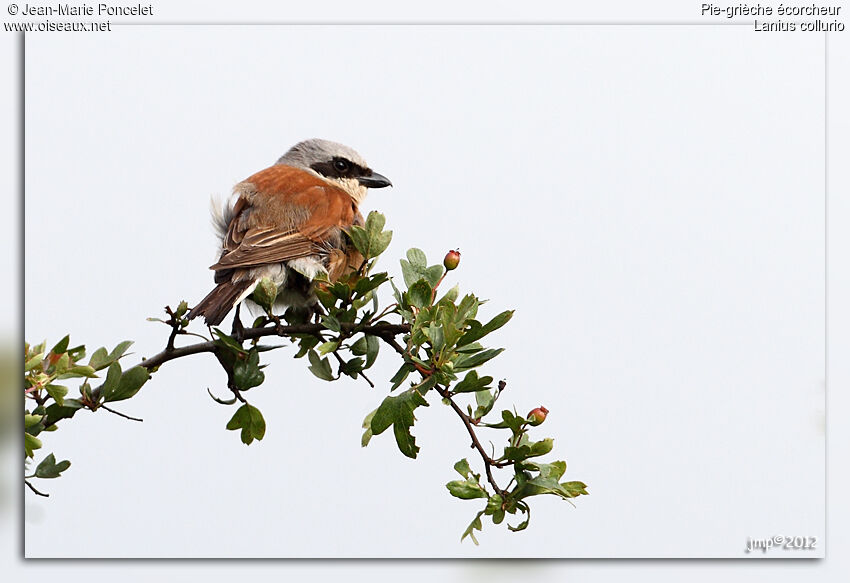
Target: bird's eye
{"type": "Point", "coordinates": [341, 166]}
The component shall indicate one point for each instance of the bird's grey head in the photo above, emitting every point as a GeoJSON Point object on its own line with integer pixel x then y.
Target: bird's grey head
{"type": "Point", "coordinates": [335, 163]}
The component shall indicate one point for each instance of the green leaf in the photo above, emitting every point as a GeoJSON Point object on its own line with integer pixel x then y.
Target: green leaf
{"type": "Point", "coordinates": [433, 274]}
{"type": "Point", "coordinates": [493, 504]}
{"type": "Point", "coordinates": [446, 315]}
{"type": "Point", "coordinates": [435, 335]}
{"type": "Point", "coordinates": [366, 284]}
{"type": "Point", "coordinates": [77, 353]}
{"type": "Point", "coordinates": [62, 364]}
{"type": "Point", "coordinates": [380, 243]}
{"type": "Point", "coordinates": [484, 401]}
{"type": "Point", "coordinates": [471, 383]}
{"type": "Point", "coordinates": [250, 421]}
{"type": "Point", "coordinates": [451, 295]}
{"type": "Point", "coordinates": [228, 342]}
{"type": "Point", "coordinates": [32, 420]}
{"type": "Point", "coordinates": [110, 385]}
{"type": "Point", "coordinates": [526, 451]}
{"type": "Point", "coordinates": [247, 373]}
{"type": "Point", "coordinates": [359, 347]}
{"type": "Point", "coordinates": [129, 384]}
{"type": "Point", "coordinates": [351, 367]}
{"type": "Point", "coordinates": [416, 268]}
{"type": "Point", "coordinates": [375, 222]}
{"type": "Point", "coordinates": [305, 344]}
{"type": "Point", "coordinates": [367, 425]}
{"type": "Point", "coordinates": [360, 238]}
{"type": "Point", "coordinates": [320, 366]}
{"type": "Point", "coordinates": [524, 524]}
{"type": "Point", "coordinates": [466, 489]}
{"type": "Point", "coordinates": [419, 294]}
{"type": "Point", "coordinates": [477, 331]}
{"type": "Point", "coordinates": [80, 370]}
{"type": "Point", "coordinates": [61, 346]}
{"type": "Point", "coordinates": [462, 468]}
{"type": "Point", "coordinates": [371, 240]}
{"type": "Point", "coordinates": [100, 359]}
{"type": "Point", "coordinates": [340, 290]}
{"type": "Point", "coordinates": [331, 323]}
{"type": "Point", "coordinates": [48, 468]}
{"type": "Point", "coordinates": [469, 348]}
{"type": "Point", "coordinates": [182, 308]}
{"type": "Point", "coordinates": [510, 420]}
{"type": "Point", "coordinates": [468, 361]}
{"type": "Point", "coordinates": [498, 516]}
{"type": "Point", "coordinates": [122, 347]}
{"type": "Point", "coordinates": [474, 525]}
{"type": "Point", "coordinates": [575, 488]}
{"type": "Point", "coordinates": [417, 258]}
{"type": "Point", "coordinates": [31, 443]}
{"type": "Point", "coordinates": [467, 308]}
{"type": "Point", "coordinates": [402, 373]}
{"type": "Point", "coordinates": [58, 393]}
{"type": "Point", "coordinates": [56, 412]}
{"type": "Point", "coordinates": [541, 485]}
{"type": "Point", "coordinates": [34, 362]}
{"type": "Point", "coordinates": [398, 412]}
{"type": "Point", "coordinates": [327, 347]}
{"type": "Point", "coordinates": [553, 470]}
{"type": "Point", "coordinates": [325, 297]}
{"type": "Point", "coordinates": [373, 345]}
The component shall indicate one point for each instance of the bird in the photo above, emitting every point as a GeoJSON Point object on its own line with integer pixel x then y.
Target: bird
{"type": "Point", "coordinates": [288, 223]}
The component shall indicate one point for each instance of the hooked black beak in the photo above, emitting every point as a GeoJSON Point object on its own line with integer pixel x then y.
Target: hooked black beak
{"type": "Point", "coordinates": [374, 180]}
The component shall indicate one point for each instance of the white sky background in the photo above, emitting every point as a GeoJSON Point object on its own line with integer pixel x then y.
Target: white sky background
{"type": "Point", "coordinates": [684, 390]}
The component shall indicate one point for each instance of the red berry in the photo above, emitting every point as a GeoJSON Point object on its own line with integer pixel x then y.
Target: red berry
{"type": "Point", "coordinates": [538, 415]}
{"type": "Point", "coordinates": [451, 260]}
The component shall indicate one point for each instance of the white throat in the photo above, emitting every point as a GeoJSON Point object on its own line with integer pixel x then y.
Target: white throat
{"type": "Point", "coordinates": [352, 186]}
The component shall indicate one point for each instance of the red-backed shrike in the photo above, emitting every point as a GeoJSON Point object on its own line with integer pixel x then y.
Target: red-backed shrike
{"type": "Point", "coordinates": [288, 223]}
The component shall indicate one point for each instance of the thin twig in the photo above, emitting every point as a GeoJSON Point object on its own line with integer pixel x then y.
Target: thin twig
{"type": "Point", "coordinates": [371, 384]}
{"type": "Point", "coordinates": [386, 311]}
{"type": "Point", "coordinates": [342, 362]}
{"type": "Point", "coordinates": [27, 482]}
{"type": "Point", "coordinates": [390, 339]}
{"type": "Point", "coordinates": [488, 461]}
{"type": "Point", "coordinates": [175, 328]}
{"type": "Point", "coordinates": [120, 414]}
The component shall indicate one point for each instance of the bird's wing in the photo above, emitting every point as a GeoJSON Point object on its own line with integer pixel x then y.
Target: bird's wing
{"type": "Point", "coordinates": [284, 213]}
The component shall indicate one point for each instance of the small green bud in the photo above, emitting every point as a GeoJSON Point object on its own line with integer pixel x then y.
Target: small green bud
{"type": "Point", "coordinates": [265, 293]}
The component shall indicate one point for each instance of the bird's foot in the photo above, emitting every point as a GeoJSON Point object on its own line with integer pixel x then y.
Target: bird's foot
{"type": "Point", "coordinates": [316, 313]}
{"type": "Point", "coordinates": [238, 330]}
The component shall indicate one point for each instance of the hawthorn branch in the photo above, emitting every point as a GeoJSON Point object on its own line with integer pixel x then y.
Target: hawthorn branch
{"type": "Point", "coordinates": [383, 330]}
{"type": "Point", "coordinates": [489, 462]}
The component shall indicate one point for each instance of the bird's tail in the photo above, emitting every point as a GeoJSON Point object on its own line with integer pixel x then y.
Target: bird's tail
{"type": "Point", "coordinates": [220, 301]}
